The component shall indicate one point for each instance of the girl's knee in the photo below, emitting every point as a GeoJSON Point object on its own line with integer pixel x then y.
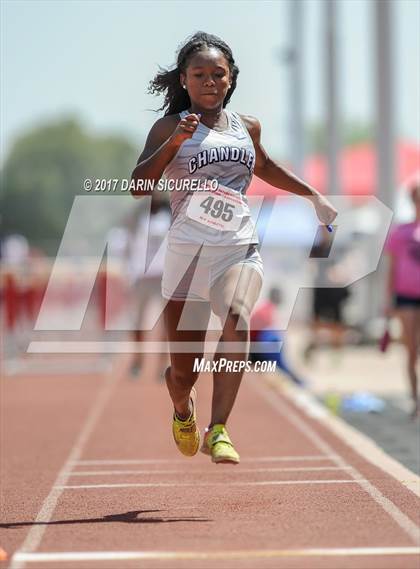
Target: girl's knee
{"type": "Point", "coordinates": [183, 377]}
{"type": "Point", "coordinates": [236, 327]}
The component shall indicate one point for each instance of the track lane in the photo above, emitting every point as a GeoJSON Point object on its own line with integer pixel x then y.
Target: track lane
{"type": "Point", "coordinates": [213, 517]}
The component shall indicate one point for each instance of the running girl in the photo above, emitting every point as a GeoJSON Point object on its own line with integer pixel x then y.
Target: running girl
{"type": "Point", "coordinates": [212, 260]}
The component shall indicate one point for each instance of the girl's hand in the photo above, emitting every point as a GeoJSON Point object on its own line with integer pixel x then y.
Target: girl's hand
{"type": "Point", "coordinates": [186, 128]}
{"type": "Point", "coordinates": [325, 211]}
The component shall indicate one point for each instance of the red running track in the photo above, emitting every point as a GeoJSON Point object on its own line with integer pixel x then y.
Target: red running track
{"type": "Point", "coordinates": [92, 479]}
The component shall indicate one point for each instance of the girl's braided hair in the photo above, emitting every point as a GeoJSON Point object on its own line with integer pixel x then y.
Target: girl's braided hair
{"type": "Point", "coordinates": [168, 81]}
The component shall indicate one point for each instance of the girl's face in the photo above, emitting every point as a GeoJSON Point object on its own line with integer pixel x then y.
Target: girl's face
{"type": "Point", "coordinates": [207, 79]}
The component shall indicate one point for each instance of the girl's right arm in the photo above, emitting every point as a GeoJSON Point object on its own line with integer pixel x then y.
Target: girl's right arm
{"type": "Point", "coordinates": [163, 142]}
{"type": "Point", "coordinates": [392, 249]}
{"type": "Point", "coordinates": [390, 285]}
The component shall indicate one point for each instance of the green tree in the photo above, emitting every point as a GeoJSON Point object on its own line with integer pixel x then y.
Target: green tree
{"type": "Point", "coordinates": [351, 133]}
{"type": "Point", "coordinates": [45, 170]}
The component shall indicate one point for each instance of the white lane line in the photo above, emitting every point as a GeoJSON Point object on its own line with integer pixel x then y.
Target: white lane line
{"type": "Point", "coordinates": [403, 521]}
{"type": "Point", "coordinates": [358, 441]}
{"type": "Point", "coordinates": [206, 484]}
{"type": "Point", "coordinates": [208, 472]}
{"type": "Point", "coordinates": [143, 347]}
{"type": "Point", "coordinates": [35, 534]}
{"type": "Point", "coordinates": [239, 554]}
{"type": "Point", "coordinates": [180, 461]}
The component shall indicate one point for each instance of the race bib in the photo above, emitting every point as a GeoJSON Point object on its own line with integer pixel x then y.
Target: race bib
{"type": "Point", "coordinates": [221, 209]}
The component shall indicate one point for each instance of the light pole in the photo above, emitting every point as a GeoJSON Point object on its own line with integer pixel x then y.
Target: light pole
{"type": "Point", "coordinates": [296, 88]}
{"type": "Point", "coordinates": [332, 117]}
{"type": "Point", "coordinates": [385, 144]}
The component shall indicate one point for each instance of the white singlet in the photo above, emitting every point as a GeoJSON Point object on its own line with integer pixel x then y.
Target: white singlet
{"type": "Point", "coordinates": [228, 157]}
{"type": "Point", "coordinates": [211, 231]}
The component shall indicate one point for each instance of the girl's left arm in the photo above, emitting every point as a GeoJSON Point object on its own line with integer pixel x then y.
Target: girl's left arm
{"type": "Point", "coordinates": [274, 174]}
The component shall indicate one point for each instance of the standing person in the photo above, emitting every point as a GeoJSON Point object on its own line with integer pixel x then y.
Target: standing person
{"type": "Point", "coordinates": [151, 225]}
{"type": "Point", "coordinates": [264, 329]}
{"type": "Point", "coordinates": [212, 260]}
{"type": "Point", "coordinates": [403, 292]}
{"type": "Point", "coordinates": [327, 301]}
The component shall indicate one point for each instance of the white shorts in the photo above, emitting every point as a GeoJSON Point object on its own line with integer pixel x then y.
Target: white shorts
{"type": "Point", "coordinates": [189, 273]}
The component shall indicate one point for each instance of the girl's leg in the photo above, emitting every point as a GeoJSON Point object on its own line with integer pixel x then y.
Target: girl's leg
{"type": "Point", "coordinates": [409, 318]}
{"type": "Point", "coordinates": [417, 335]}
{"type": "Point", "coordinates": [193, 316]}
{"type": "Point", "coordinates": [232, 299]}
{"type": "Point", "coordinates": [138, 306]}
{"type": "Point", "coordinates": [144, 291]}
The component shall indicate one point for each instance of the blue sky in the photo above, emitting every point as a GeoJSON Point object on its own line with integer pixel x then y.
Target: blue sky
{"type": "Point", "coordinates": [94, 59]}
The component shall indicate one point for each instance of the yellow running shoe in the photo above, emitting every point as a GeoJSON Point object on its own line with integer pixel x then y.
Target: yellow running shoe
{"type": "Point", "coordinates": [186, 433]}
{"type": "Point", "coordinates": [218, 444]}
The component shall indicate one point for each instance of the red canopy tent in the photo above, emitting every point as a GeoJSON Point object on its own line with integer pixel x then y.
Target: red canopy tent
{"type": "Point", "coordinates": [357, 170]}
